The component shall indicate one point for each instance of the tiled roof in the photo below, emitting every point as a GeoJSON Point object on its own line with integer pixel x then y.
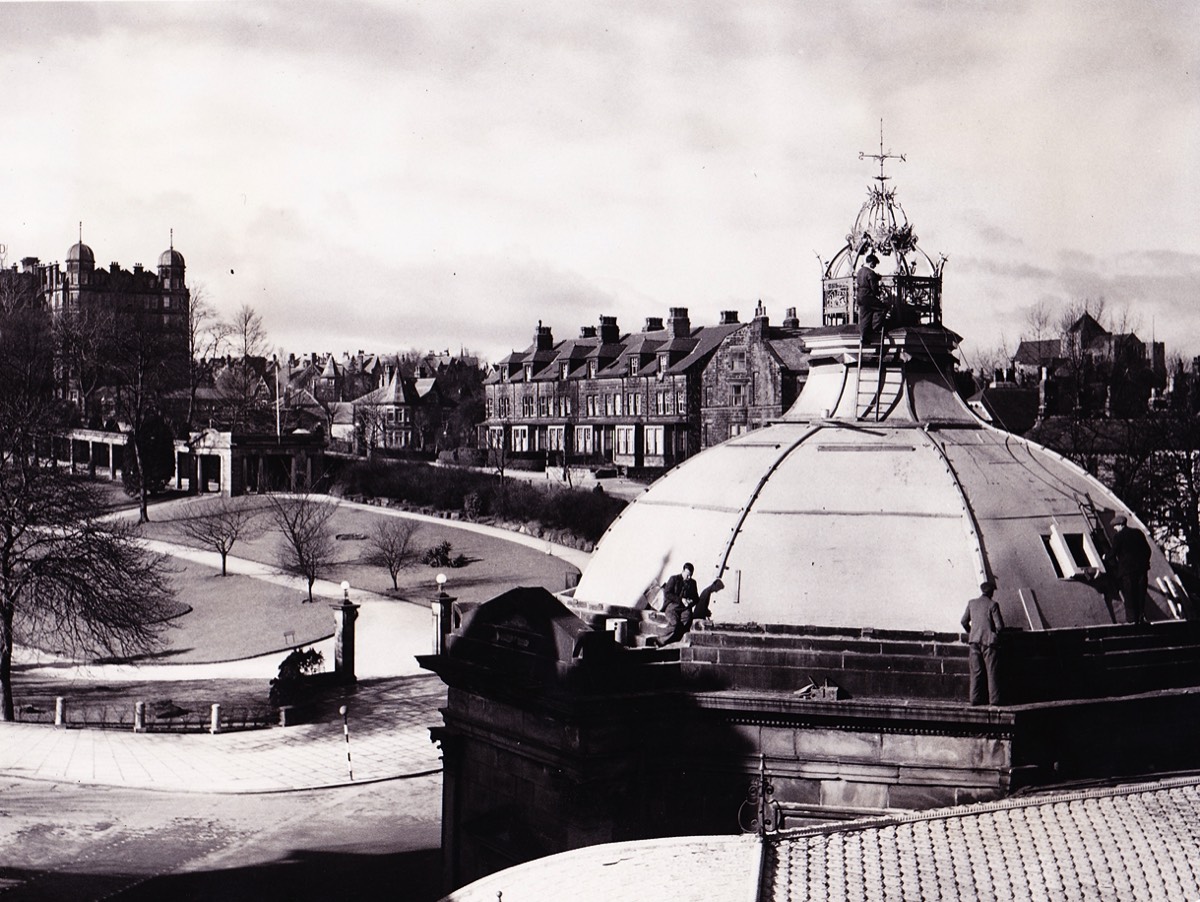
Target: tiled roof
{"type": "Point", "coordinates": [1140, 842]}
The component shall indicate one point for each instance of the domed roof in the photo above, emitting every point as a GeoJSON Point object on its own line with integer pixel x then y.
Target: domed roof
{"type": "Point", "coordinates": [81, 253]}
{"type": "Point", "coordinates": [878, 501]}
{"type": "Point", "coordinates": [171, 257]}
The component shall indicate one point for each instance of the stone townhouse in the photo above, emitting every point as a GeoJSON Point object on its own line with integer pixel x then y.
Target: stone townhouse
{"type": "Point", "coordinates": [642, 400]}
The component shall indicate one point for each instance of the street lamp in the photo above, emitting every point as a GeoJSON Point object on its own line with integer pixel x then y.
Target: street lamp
{"type": "Point", "coordinates": [441, 583]}
{"type": "Point", "coordinates": [345, 592]}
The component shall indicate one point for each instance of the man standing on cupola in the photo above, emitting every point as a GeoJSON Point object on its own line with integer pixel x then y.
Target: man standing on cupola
{"type": "Point", "coordinates": [868, 293]}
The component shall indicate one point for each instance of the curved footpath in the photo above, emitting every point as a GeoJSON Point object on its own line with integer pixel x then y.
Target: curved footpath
{"type": "Point", "coordinates": [389, 711]}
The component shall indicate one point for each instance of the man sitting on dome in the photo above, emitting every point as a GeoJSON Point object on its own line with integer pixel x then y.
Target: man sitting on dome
{"type": "Point", "coordinates": [868, 293]}
{"type": "Point", "coordinates": [679, 591]}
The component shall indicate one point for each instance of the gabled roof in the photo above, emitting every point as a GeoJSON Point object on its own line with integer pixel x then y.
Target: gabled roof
{"type": "Point", "coordinates": [393, 393]}
{"type": "Point", "coordinates": [1038, 353]}
{"type": "Point", "coordinates": [707, 339]}
{"type": "Point", "coordinates": [790, 352]}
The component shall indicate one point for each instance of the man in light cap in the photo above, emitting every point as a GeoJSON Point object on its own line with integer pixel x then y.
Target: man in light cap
{"type": "Point", "coordinates": [1130, 557]}
{"type": "Point", "coordinates": [983, 623]}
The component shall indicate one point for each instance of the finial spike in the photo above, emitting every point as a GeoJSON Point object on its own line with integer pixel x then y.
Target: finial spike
{"type": "Point", "coordinates": [881, 156]}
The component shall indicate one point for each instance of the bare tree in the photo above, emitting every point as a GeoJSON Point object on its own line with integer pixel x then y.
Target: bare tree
{"type": "Point", "coordinates": [246, 334]}
{"type": "Point", "coordinates": [219, 522]}
{"type": "Point", "coordinates": [307, 546]}
{"type": "Point", "coordinates": [498, 459]}
{"type": "Point", "coordinates": [205, 337]}
{"type": "Point", "coordinates": [240, 383]}
{"type": "Point", "coordinates": [986, 360]}
{"type": "Point", "coordinates": [370, 421]}
{"type": "Point", "coordinates": [149, 361]}
{"type": "Point", "coordinates": [390, 546]}
{"type": "Point", "coordinates": [68, 577]}
{"type": "Point", "coordinates": [84, 348]}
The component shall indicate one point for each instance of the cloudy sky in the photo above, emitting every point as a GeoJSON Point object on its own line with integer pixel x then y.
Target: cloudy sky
{"type": "Point", "coordinates": [445, 174]}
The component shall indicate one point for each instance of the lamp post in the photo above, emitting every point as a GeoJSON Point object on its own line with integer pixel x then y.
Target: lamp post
{"type": "Point", "coordinates": [344, 615]}
{"type": "Point", "coordinates": [442, 606]}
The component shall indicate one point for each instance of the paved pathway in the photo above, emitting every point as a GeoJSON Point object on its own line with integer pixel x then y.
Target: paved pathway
{"type": "Point", "coordinates": [389, 724]}
{"type": "Point", "coordinates": [390, 710]}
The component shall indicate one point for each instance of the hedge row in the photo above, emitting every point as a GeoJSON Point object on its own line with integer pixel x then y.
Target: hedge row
{"type": "Point", "coordinates": [477, 495]}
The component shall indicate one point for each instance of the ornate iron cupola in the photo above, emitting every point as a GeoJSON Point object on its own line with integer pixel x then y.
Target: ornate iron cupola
{"type": "Point", "coordinates": [912, 279]}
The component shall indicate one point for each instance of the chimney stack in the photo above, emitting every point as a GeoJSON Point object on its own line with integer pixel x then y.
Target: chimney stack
{"type": "Point", "coordinates": [729, 317]}
{"type": "Point", "coordinates": [610, 334]}
{"type": "Point", "coordinates": [790, 321]}
{"type": "Point", "coordinates": [587, 331]}
{"type": "Point", "coordinates": [679, 324]}
{"type": "Point", "coordinates": [542, 339]}
{"type": "Point", "coordinates": [654, 324]}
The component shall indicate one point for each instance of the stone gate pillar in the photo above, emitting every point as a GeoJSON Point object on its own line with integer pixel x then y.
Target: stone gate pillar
{"type": "Point", "coordinates": [344, 616]}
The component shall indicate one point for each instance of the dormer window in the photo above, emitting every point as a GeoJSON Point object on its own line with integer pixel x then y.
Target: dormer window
{"type": "Point", "coordinates": [633, 366]}
{"type": "Point", "coordinates": [592, 369]}
{"type": "Point", "coordinates": [1072, 554]}
{"type": "Point", "coordinates": [563, 369]}
{"type": "Point", "coordinates": [528, 372]}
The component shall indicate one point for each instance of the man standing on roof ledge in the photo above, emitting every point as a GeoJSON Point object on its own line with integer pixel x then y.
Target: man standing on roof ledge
{"type": "Point", "coordinates": [1130, 556]}
{"type": "Point", "coordinates": [868, 294]}
{"type": "Point", "coordinates": [983, 622]}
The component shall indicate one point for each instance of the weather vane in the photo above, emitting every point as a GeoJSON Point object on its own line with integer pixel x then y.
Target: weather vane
{"type": "Point", "coordinates": [881, 156]}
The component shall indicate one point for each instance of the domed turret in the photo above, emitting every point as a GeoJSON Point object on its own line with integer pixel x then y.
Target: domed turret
{"type": "Point", "coordinates": [171, 267]}
{"type": "Point", "coordinates": [81, 256]}
{"type": "Point", "coordinates": [879, 500]}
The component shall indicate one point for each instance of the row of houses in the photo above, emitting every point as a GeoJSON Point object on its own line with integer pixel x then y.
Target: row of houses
{"type": "Point", "coordinates": [360, 402]}
{"type": "Point", "coordinates": [646, 399]}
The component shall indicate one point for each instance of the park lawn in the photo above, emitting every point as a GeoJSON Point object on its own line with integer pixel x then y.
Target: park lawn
{"type": "Point", "coordinates": [494, 565]}
{"type": "Point", "coordinates": [226, 619]}
{"type": "Point", "coordinates": [235, 616]}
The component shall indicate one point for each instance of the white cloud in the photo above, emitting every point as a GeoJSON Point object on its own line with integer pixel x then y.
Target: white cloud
{"type": "Point", "coordinates": [456, 172]}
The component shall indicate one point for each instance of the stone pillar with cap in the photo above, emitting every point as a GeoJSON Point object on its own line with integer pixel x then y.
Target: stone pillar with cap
{"type": "Point", "coordinates": [344, 616]}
